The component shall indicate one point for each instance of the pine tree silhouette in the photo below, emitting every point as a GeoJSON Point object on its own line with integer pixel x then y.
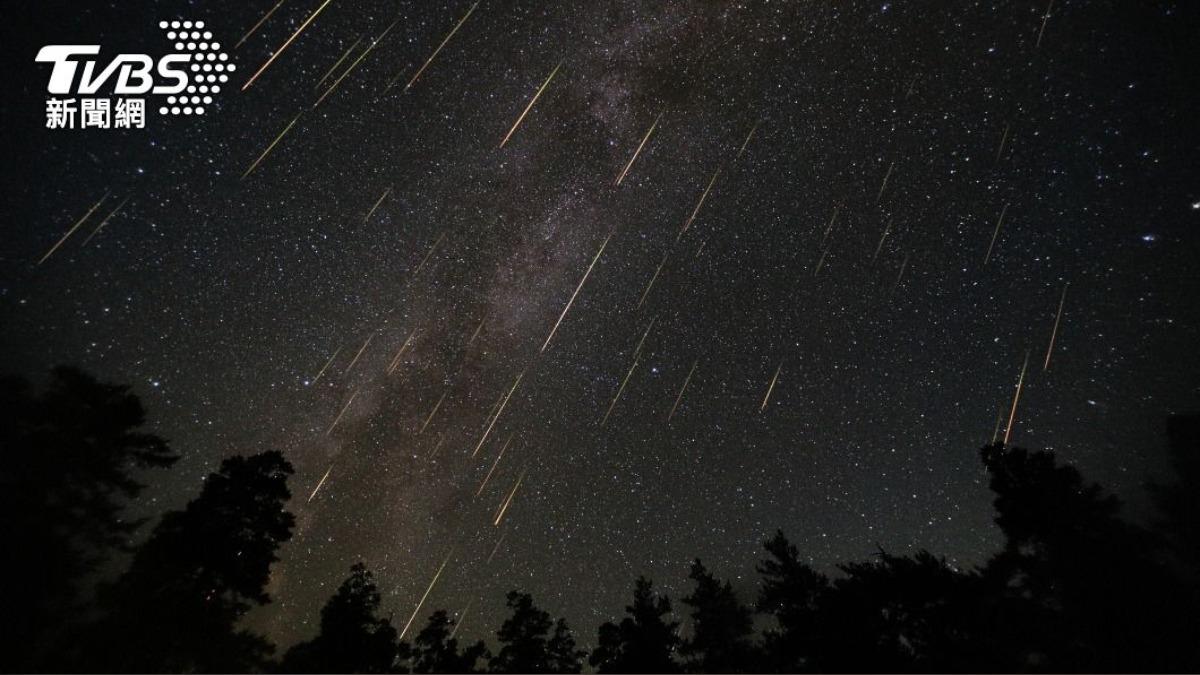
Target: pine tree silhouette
{"type": "Point", "coordinates": [645, 641]}
{"type": "Point", "coordinates": [67, 458]}
{"type": "Point", "coordinates": [434, 651]}
{"type": "Point", "coordinates": [793, 594]}
{"type": "Point", "coordinates": [528, 645]}
{"type": "Point", "coordinates": [352, 638]}
{"type": "Point", "coordinates": [177, 607]}
{"type": "Point", "coordinates": [721, 627]}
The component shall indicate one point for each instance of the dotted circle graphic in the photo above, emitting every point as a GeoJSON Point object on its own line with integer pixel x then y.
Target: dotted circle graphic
{"type": "Point", "coordinates": [208, 67]}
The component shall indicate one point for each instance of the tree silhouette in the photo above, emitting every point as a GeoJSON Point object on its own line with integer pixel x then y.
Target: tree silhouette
{"type": "Point", "coordinates": [528, 645]}
{"type": "Point", "coordinates": [645, 641]}
{"type": "Point", "coordinates": [792, 593]}
{"type": "Point", "coordinates": [201, 570]}
{"type": "Point", "coordinates": [721, 626]}
{"type": "Point", "coordinates": [1082, 589]}
{"type": "Point", "coordinates": [352, 638]}
{"type": "Point", "coordinates": [434, 651]}
{"type": "Point", "coordinates": [66, 462]}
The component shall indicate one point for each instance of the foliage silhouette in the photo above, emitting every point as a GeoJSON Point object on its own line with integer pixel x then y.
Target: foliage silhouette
{"type": "Point", "coordinates": [721, 626]}
{"type": "Point", "coordinates": [434, 651]}
{"type": "Point", "coordinates": [67, 459]}
{"type": "Point", "coordinates": [352, 638]}
{"type": "Point", "coordinates": [201, 570]}
{"type": "Point", "coordinates": [645, 641]}
{"type": "Point", "coordinates": [528, 646]}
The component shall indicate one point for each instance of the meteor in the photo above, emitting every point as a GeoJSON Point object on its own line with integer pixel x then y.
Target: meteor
{"type": "Point", "coordinates": [699, 204]}
{"type": "Point", "coordinates": [900, 277]}
{"type": "Point", "coordinates": [497, 546]}
{"type": "Point", "coordinates": [105, 221]}
{"type": "Point", "coordinates": [360, 352]}
{"type": "Point", "coordinates": [619, 390]}
{"type": "Point", "coordinates": [638, 349]}
{"type": "Point", "coordinates": [531, 102]}
{"type": "Point", "coordinates": [477, 330]}
{"type": "Point", "coordinates": [426, 595]}
{"type": "Point", "coordinates": [342, 413]}
{"type": "Point", "coordinates": [829, 227]}
{"type": "Point", "coordinates": [1045, 18]}
{"type": "Point", "coordinates": [499, 412]}
{"type": "Point", "coordinates": [276, 53]}
{"type": "Point", "coordinates": [1012, 415]}
{"type": "Point", "coordinates": [404, 347]}
{"type": "Point", "coordinates": [770, 388]}
{"type": "Point", "coordinates": [337, 63]}
{"type": "Point", "coordinates": [504, 507]}
{"type": "Point", "coordinates": [999, 222]}
{"type": "Point", "coordinates": [461, 616]}
{"type": "Point", "coordinates": [886, 176]}
{"type": "Point", "coordinates": [886, 231]}
{"type": "Point", "coordinates": [996, 430]}
{"type": "Point", "coordinates": [433, 412]}
{"type": "Point", "coordinates": [319, 484]}
{"type": "Point", "coordinates": [259, 24]}
{"type": "Point", "coordinates": [577, 288]}
{"type": "Point", "coordinates": [324, 367]}
{"type": "Point", "coordinates": [1003, 140]}
{"type": "Point", "coordinates": [682, 389]}
{"type": "Point", "coordinates": [747, 141]}
{"type": "Point", "coordinates": [494, 465]}
{"type": "Point", "coordinates": [428, 256]}
{"type": "Point", "coordinates": [270, 147]}
{"type": "Point", "coordinates": [639, 150]}
{"type": "Point", "coordinates": [1054, 333]}
{"type": "Point", "coordinates": [652, 280]}
{"type": "Point", "coordinates": [73, 228]}
{"type": "Point", "coordinates": [436, 447]}
{"type": "Point", "coordinates": [377, 203]}
{"type": "Point", "coordinates": [357, 61]}
{"type": "Point", "coordinates": [820, 262]}
{"type": "Point", "coordinates": [435, 52]}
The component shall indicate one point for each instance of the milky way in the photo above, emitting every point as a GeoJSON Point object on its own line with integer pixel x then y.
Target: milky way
{"type": "Point", "coordinates": [816, 242]}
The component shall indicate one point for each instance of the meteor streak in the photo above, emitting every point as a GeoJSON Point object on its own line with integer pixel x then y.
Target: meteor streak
{"type": "Point", "coordinates": [105, 221]}
{"type": "Point", "coordinates": [652, 280]}
{"type": "Point", "coordinates": [829, 227]}
{"type": "Point", "coordinates": [73, 228]}
{"type": "Point", "coordinates": [319, 484]}
{"type": "Point", "coordinates": [342, 413]}
{"type": "Point", "coordinates": [499, 412]}
{"type": "Point", "coordinates": [820, 262]}
{"type": "Point", "coordinates": [1012, 415]}
{"type": "Point", "coordinates": [1045, 18]}
{"type": "Point", "coordinates": [577, 288]}
{"type": "Point", "coordinates": [747, 141]}
{"type": "Point", "coordinates": [682, 389]}
{"type": "Point", "coordinates": [638, 350]}
{"type": "Point", "coordinates": [530, 106]}
{"type": "Point", "coordinates": [999, 222]}
{"type": "Point", "coordinates": [324, 367]}
{"type": "Point", "coordinates": [436, 447]}
{"type": "Point", "coordinates": [279, 51]}
{"type": "Point", "coordinates": [494, 465]}
{"type": "Point", "coordinates": [900, 276]}
{"type": "Point", "coordinates": [360, 352]}
{"type": "Point", "coordinates": [497, 546]}
{"type": "Point", "coordinates": [703, 196]}
{"type": "Point", "coordinates": [270, 147]}
{"type": "Point", "coordinates": [619, 390]}
{"type": "Point", "coordinates": [426, 595]}
{"type": "Point", "coordinates": [1003, 140]}
{"type": "Point", "coordinates": [357, 61]}
{"type": "Point", "coordinates": [886, 176]}
{"type": "Point", "coordinates": [461, 617]}
{"type": "Point", "coordinates": [1057, 319]}
{"type": "Point", "coordinates": [337, 63]}
{"type": "Point", "coordinates": [377, 203]}
{"type": "Point", "coordinates": [259, 24]}
{"type": "Point", "coordinates": [433, 412]}
{"type": "Point", "coordinates": [639, 149]}
{"type": "Point", "coordinates": [504, 507]}
{"type": "Point", "coordinates": [886, 231]}
{"type": "Point", "coordinates": [403, 348]}
{"type": "Point", "coordinates": [436, 51]}
{"type": "Point", "coordinates": [770, 388]}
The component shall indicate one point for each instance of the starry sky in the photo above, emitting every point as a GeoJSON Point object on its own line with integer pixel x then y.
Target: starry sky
{"type": "Point", "coordinates": [387, 277]}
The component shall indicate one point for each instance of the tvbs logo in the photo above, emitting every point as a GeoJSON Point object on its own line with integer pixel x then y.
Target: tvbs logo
{"type": "Point", "coordinates": [188, 78]}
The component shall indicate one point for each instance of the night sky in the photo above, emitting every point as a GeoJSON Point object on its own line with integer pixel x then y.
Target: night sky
{"type": "Point", "coordinates": [888, 346]}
